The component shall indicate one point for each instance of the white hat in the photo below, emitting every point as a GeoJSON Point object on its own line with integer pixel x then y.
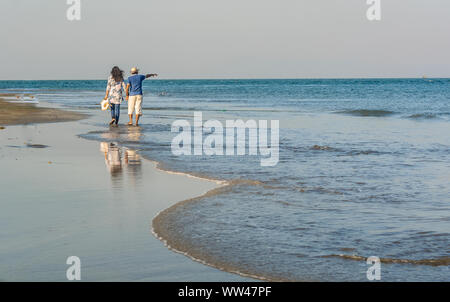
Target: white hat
{"type": "Point", "coordinates": [105, 105]}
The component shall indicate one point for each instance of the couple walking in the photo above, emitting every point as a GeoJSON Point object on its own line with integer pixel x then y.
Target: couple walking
{"type": "Point", "coordinates": [133, 90]}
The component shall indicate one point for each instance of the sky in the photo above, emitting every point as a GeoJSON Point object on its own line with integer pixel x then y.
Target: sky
{"type": "Point", "coordinates": [183, 39]}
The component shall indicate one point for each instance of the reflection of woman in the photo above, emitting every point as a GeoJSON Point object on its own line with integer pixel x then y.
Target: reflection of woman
{"type": "Point", "coordinates": [114, 93]}
{"type": "Point", "coordinates": [112, 158]}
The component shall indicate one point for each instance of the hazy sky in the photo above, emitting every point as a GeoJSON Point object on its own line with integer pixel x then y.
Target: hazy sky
{"type": "Point", "coordinates": [225, 39]}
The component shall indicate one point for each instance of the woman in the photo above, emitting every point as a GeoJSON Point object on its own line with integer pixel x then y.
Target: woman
{"type": "Point", "coordinates": [114, 93]}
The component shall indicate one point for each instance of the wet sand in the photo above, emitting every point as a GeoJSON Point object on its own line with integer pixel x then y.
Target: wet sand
{"type": "Point", "coordinates": [66, 196]}
{"type": "Point", "coordinates": [18, 113]}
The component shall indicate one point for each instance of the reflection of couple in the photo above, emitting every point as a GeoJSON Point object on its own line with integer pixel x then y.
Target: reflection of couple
{"type": "Point", "coordinates": [113, 159]}
{"type": "Point", "coordinates": [133, 90]}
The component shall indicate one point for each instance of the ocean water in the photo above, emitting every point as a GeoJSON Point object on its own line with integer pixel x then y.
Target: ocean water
{"type": "Point", "coordinates": [364, 170]}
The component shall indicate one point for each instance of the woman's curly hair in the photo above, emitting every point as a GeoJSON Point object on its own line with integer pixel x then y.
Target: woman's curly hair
{"type": "Point", "coordinates": [117, 74]}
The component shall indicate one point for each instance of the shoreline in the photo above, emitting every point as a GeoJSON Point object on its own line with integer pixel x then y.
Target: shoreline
{"type": "Point", "coordinates": [120, 230]}
{"type": "Point", "coordinates": [25, 113]}
{"type": "Point", "coordinates": [161, 229]}
{"type": "Point", "coordinates": [161, 232]}
{"type": "Point", "coordinates": [170, 242]}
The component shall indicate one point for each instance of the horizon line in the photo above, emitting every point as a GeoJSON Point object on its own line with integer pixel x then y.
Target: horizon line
{"type": "Point", "coordinates": [256, 78]}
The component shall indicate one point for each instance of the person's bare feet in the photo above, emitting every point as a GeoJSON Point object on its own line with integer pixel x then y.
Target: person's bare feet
{"type": "Point", "coordinates": [112, 122]}
{"type": "Point", "coordinates": [137, 119]}
{"type": "Point", "coordinates": [130, 123]}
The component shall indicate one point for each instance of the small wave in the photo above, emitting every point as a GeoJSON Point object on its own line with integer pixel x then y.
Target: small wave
{"type": "Point", "coordinates": [320, 190]}
{"type": "Point", "coordinates": [322, 148]}
{"type": "Point", "coordinates": [429, 116]}
{"type": "Point", "coordinates": [424, 116]}
{"type": "Point", "coordinates": [443, 261]}
{"type": "Point", "coordinates": [365, 152]}
{"type": "Point", "coordinates": [367, 112]}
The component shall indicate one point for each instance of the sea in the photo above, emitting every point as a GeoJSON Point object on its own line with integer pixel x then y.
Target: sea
{"type": "Point", "coordinates": [363, 171]}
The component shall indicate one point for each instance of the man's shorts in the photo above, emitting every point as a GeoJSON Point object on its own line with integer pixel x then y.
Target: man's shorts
{"type": "Point", "coordinates": [135, 104]}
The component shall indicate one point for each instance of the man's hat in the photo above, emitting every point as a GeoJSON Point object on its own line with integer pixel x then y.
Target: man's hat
{"type": "Point", "coordinates": [134, 70]}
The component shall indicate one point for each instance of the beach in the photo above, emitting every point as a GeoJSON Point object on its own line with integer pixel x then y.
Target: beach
{"type": "Point", "coordinates": [363, 171]}
{"type": "Point", "coordinates": [17, 113]}
{"type": "Point", "coordinates": [66, 196]}
{"type": "Point", "coordinates": [279, 143]}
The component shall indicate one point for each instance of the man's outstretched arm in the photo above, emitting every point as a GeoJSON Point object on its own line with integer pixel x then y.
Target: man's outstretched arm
{"type": "Point", "coordinates": [151, 75]}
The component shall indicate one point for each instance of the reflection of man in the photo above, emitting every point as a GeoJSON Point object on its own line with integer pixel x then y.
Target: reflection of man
{"type": "Point", "coordinates": [132, 158]}
{"type": "Point", "coordinates": [134, 134]}
{"type": "Point", "coordinates": [134, 94]}
{"type": "Point", "coordinates": [133, 164]}
{"type": "Point", "coordinates": [113, 134]}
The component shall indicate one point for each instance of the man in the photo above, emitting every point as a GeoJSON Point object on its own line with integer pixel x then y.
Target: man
{"type": "Point", "coordinates": [134, 94]}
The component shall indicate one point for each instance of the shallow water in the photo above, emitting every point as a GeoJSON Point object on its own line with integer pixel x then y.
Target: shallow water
{"type": "Point", "coordinates": [364, 171]}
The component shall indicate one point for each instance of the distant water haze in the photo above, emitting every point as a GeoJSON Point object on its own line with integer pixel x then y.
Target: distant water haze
{"type": "Point", "coordinates": [225, 39]}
